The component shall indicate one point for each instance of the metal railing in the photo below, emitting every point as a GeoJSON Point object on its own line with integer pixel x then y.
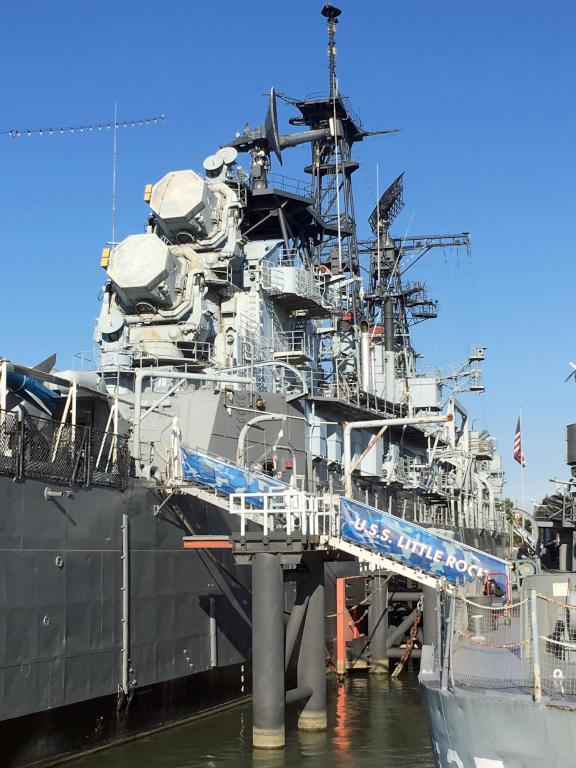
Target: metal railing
{"type": "Point", "coordinates": [288, 511]}
{"type": "Point", "coordinates": [287, 279]}
{"type": "Point", "coordinates": [33, 447]}
{"type": "Point", "coordinates": [288, 344]}
{"type": "Point", "coordinates": [288, 184]}
{"type": "Point", "coordinates": [528, 645]}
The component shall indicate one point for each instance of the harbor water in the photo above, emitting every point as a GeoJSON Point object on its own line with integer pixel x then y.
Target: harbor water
{"type": "Point", "coordinates": [373, 722]}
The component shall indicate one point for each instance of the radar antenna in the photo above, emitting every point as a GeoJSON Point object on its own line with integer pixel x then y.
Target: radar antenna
{"type": "Point", "coordinates": [389, 206]}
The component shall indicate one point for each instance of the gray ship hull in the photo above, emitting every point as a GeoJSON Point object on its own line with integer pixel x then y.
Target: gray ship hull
{"type": "Point", "coordinates": [482, 729]}
{"type": "Point", "coordinates": [61, 596]}
{"type": "Point", "coordinates": [61, 649]}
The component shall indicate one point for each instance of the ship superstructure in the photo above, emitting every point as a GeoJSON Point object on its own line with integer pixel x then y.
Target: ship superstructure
{"type": "Point", "coordinates": [248, 328]}
{"type": "Point", "coordinates": [264, 277]}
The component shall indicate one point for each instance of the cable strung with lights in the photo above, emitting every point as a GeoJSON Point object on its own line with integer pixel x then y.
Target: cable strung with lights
{"type": "Point", "coordinates": [16, 132]}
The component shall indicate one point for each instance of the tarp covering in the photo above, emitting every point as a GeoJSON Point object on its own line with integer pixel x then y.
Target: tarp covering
{"type": "Point", "coordinates": [413, 545]}
{"type": "Point", "coordinates": [225, 476]}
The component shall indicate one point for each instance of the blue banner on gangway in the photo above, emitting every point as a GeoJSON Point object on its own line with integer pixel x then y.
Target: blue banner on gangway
{"type": "Point", "coordinates": [415, 546]}
{"type": "Point", "coordinates": [225, 476]}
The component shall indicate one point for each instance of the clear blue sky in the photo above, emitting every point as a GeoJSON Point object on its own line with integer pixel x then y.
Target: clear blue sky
{"type": "Point", "coordinates": [484, 93]}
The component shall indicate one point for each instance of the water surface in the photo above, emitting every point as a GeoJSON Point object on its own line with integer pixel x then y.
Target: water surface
{"type": "Point", "coordinates": [373, 722]}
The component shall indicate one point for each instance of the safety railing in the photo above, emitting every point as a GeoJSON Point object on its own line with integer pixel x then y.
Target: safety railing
{"type": "Point", "coordinates": [287, 511]}
{"type": "Point", "coordinates": [33, 447]}
{"type": "Point", "coordinates": [302, 284]}
{"type": "Point", "coordinates": [528, 645]}
{"type": "Point", "coordinates": [288, 184]}
{"type": "Point", "coordinates": [292, 344]}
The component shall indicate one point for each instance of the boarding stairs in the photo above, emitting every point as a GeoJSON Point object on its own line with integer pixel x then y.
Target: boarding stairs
{"type": "Point", "coordinates": [310, 514]}
{"type": "Point", "coordinates": [212, 479]}
{"type": "Point", "coordinates": [525, 536]}
{"type": "Point", "coordinates": [327, 522]}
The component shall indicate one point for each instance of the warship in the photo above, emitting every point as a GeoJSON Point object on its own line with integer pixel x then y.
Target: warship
{"type": "Point", "coordinates": [499, 685]}
{"type": "Point", "coordinates": [242, 335]}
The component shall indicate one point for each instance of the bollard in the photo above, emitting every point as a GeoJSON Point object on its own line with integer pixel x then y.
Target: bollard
{"type": "Point", "coordinates": [267, 652]}
{"type": "Point", "coordinates": [312, 655]}
{"type": "Point", "coordinates": [378, 625]}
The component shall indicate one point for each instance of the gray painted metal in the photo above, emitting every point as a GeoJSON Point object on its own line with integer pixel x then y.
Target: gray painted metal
{"type": "Point", "coordinates": [96, 604]}
{"type": "Point", "coordinates": [571, 444]}
{"type": "Point", "coordinates": [429, 619]}
{"type": "Point", "coordinates": [499, 730]}
{"type": "Point", "coordinates": [213, 633]}
{"type": "Point", "coordinates": [125, 671]}
{"type": "Point", "coordinates": [312, 654]}
{"type": "Point", "coordinates": [378, 623]}
{"type": "Point", "coordinates": [294, 625]}
{"type": "Point", "coordinates": [398, 632]}
{"type": "Point", "coordinates": [62, 561]}
{"type": "Point", "coordinates": [267, 652]}
{"type": "Point", "coordinates": [298, 694]}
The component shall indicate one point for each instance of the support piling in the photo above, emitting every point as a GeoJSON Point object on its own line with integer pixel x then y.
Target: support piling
{"type": "Point", "coordinates": [429, 620]}
{"type": "Point", "coordinates": [378, 625]}
{"type": "Point", "coordinates": [312, 655]}
{"type": "Point", "coordinates": [268, 652]}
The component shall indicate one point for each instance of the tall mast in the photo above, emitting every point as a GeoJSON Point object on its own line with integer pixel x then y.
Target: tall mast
{"type": "Point", "coordinates": [331, 13]}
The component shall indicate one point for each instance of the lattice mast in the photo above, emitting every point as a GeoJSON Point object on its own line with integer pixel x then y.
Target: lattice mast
{"type": "Point", "coordinates": [332, 165]}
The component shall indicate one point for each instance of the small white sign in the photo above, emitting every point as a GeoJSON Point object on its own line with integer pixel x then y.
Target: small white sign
{"type": "Point", "coordinates": [560, 589]}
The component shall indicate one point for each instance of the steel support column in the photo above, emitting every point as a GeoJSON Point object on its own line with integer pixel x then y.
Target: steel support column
{"type": "Point", "coordinates": [341, 626]}
{"type": "Point", "coordinates": [378, 625]}
{"type": "Point", "coordinates": [312, 656]}
{"type": "Point", "coordinates": [267, 652]}
{"type": "Point", "coordinates": [429, 619]}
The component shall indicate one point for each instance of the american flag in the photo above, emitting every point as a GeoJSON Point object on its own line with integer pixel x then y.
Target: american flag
{"type": "Point", "coordinates": [518, 455]}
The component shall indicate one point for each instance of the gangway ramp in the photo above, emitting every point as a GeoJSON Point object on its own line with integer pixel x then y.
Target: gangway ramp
{"type": "Point", "coordinates": [213, 478]}
{"type": "Point", "coordinates": [332, 523]}
{"type": "Point", "coordinates": [338, 524]}
{"type": "Point", "coordinates": [423, 550]}
{"type": "Point", "coordinates": [381, 562]}
{"type": "Point", "coordinates": [222, 475]}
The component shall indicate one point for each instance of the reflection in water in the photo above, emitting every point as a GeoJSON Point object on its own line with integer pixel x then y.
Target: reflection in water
{"type": "Point", "coordinates": [268, 758]}
{"type": "Point", "coordinates": [313, 744]}
{"type": "Point", "coordinates": [373, 722]}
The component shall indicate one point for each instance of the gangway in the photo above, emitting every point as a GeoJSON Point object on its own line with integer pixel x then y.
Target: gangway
{"type": "Point", "coordinates": [289, 520]}
{"type": "Point", "coordinates": [526, 536]}
{"type": "Point", "coordinates": [211, 479]}
{"type": "Point", "coordinates": [288, 535]}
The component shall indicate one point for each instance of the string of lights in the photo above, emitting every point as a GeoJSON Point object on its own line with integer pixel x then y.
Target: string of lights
{"type": "Point", "coordinates": [17, 132]}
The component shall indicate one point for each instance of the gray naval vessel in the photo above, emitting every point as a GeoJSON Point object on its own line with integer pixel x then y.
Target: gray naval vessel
{"type": "Point", "coordinates": [499, 685]}
{"type": "Point", "coordinates": [238, 335]}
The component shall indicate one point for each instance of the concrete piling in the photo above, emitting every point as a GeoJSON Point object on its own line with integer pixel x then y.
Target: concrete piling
{"type": "Point", "coordinates": [268, 652]}
{"type": "Point", "coordinates": [312, 655]}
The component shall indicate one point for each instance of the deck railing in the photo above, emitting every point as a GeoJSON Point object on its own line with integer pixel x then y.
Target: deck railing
{"type": "Point", "coordinates": [34, 447]}
{"type": "Point", "coordinates": [526, 646]}
{"type": "Point", "coordinates": [289, 511]}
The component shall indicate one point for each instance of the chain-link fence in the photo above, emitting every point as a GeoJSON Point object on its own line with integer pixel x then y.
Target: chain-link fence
{"type": "Point", "coordinates": [526, 645]}
{"type": "Point", "coordinates": [556, 623]}
{"type": "Point", "coordinates": [490, 649]}
{"type": "Point", "coordinates": [50, 450]}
